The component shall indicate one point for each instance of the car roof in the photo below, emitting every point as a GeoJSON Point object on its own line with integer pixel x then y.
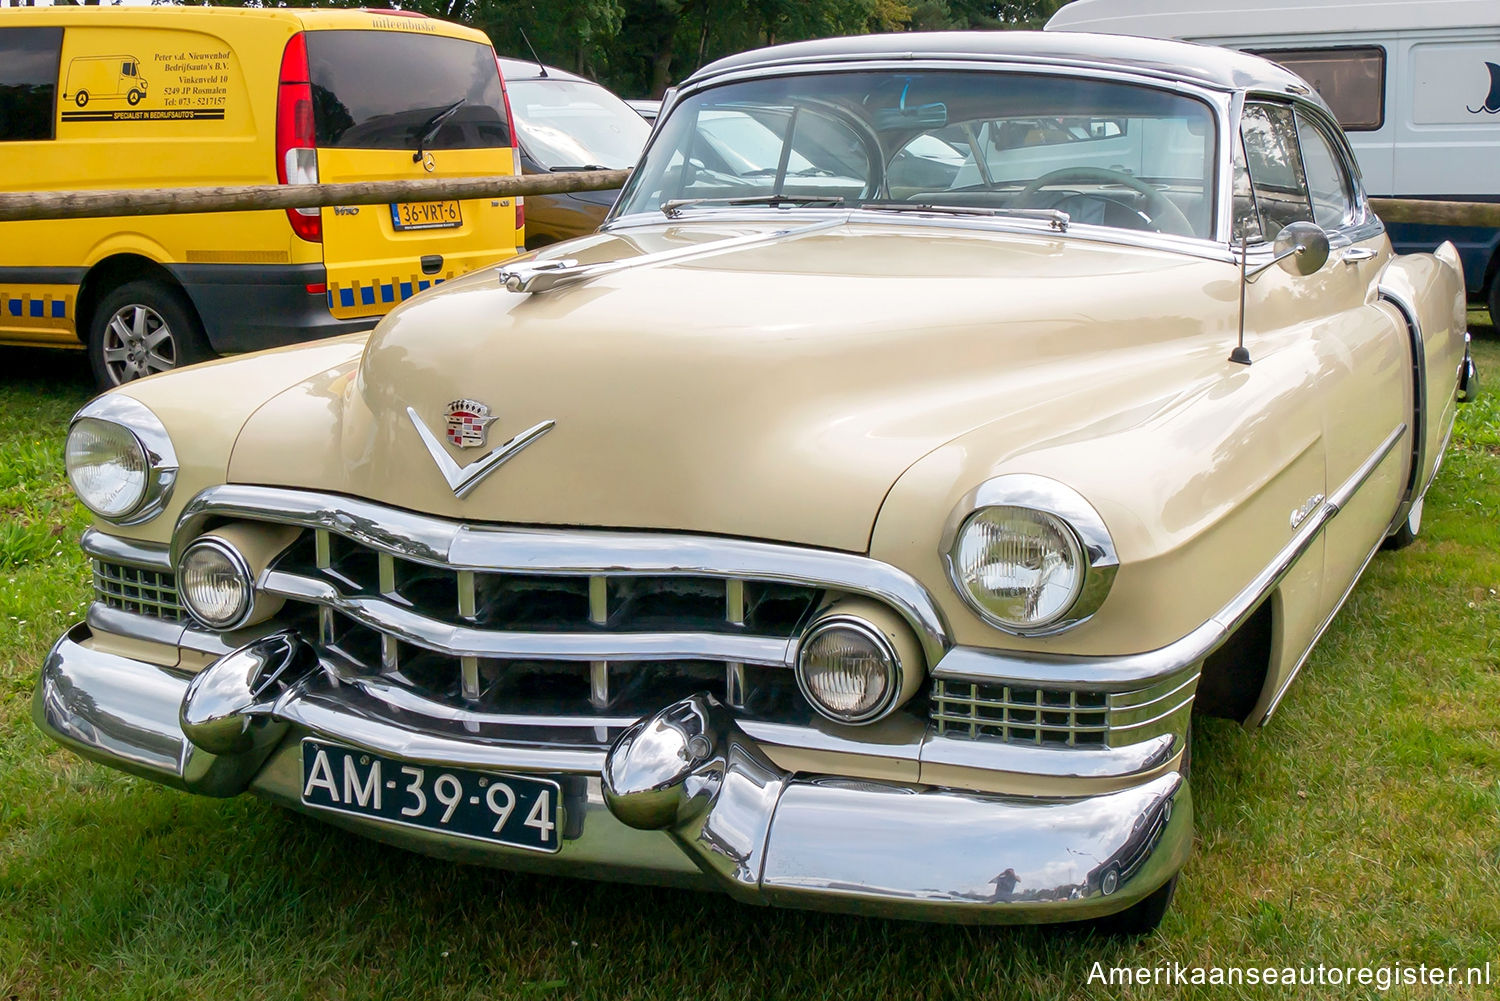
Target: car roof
{"type": "Point", "coordinates": [1217, 68]}
{"type": "Point", "coordinates": [530, 69]}
{"type": "Point", "coordinates": [1269, 18]}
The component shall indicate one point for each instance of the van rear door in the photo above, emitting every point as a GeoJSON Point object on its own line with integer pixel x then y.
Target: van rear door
{"type": "Point", "coordinates": [401, 104]}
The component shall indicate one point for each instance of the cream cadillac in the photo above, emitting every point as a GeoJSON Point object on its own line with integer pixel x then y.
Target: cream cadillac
{"type": "Point", "coordinates": [855, 522]}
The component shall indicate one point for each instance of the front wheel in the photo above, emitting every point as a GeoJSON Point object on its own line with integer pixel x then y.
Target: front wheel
{"type": "Point", "coordinates": [134, 98]}
{"type": "Point", "coordinates": [140, 329]}
{"type": "Point", "coordinates": [81, 98]}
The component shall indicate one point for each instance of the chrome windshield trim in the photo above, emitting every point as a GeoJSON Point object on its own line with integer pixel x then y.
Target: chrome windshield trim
{"type": "Point", "coordinates": [114, 549]}
{"type": "Point", "coordinates": [1206, 249]}
{"type": "Point", "coordinates": [1113, 674]}
{"type": "Point", "coordinates": [469, 641]}
{"type": "Point", "coordinates": [576, 552]}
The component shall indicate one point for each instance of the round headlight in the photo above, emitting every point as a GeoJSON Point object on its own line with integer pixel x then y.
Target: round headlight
{"type": "Point", "coordinates": [107, 467]}
{"type": "Point", "coordinates": [1019, 568]}
{"type": "Point", "coordinates": [847, 669]}
{"type": "Point", "coordinates": [215, 584]}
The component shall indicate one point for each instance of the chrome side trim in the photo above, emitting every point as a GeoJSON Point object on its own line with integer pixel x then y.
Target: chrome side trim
{"type": "Point", "coordinates": [576, 552]}
{"type": "Point", "coordinates": [148, 430]}
{"type": "Point", "coordinates": [1141, 669]}
{"type": "Point", "coordinates": [1415, 486]}
{"type": "Point", "coordinates": [469, 641]}
{"type": "Point", "coordinates": [1027, 759]}
{"type": "Point", "coordinates": [114, 549]}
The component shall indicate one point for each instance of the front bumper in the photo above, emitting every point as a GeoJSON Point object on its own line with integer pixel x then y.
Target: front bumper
{"type": "Point", "coordinates": [684, 797]}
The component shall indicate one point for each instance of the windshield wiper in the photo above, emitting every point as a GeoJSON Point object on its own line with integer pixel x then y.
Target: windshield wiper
{"type": "Point", "coordinates": [1056, 218]}
{"type": "Point", "coordinates": [430, 127]}
{"type": "Point", "coordinates": [671, 209]}
{"type": "Point", "coordinates": [565, 168]}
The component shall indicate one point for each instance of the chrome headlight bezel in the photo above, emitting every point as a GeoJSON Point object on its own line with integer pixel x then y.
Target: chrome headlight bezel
{"type": "Point", "coordinates": [1047, 497]}
{"type": "Point", "coordinates": [245, 581]}
{"type": "Point", "coordinates": [885, 652]}
{"type": "Point", "coordinates": [137, 420]}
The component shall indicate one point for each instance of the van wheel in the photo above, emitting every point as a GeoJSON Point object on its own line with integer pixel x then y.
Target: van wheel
{"type": "Point", "coordinates": [141, 328]}
{"type": "Point", "coordinates": [134, 98]}
{"type": "Point", "coordinates": [81, 98]}
{"type": "Point", "coordinates": [1495, 302]}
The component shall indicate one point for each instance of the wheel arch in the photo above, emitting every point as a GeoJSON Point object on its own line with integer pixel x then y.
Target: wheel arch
{"type": "Point", "coordinates": [110, 273]}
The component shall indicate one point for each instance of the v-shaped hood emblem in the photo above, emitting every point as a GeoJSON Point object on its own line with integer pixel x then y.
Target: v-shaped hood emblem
{"type": "Point", "coordinates": [462, 479]}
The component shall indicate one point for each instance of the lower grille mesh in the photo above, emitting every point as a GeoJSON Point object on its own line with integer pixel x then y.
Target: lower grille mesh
{"type": "Point", "coordinates": [132, 589]}
{"type": "Point", "coordinates": [1021, 715]}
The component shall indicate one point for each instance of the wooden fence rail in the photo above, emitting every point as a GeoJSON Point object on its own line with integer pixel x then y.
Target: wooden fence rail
{"type": "Point", "coordinates": [39, 205]}
{"type": "Point", "coordinates": [36, 205]}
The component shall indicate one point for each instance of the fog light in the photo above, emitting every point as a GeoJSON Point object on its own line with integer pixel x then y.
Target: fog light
{"type": "Point", "coordinates": [847, 669]}
{"type": "Point", "coordinates": [216, 584]}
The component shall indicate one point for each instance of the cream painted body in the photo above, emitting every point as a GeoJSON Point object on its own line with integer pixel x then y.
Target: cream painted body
{"type": "Point", "coordinates": [858, 389]}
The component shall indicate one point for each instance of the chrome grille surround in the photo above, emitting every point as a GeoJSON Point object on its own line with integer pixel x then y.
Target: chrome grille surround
{"type": "Point", "coordinates": [136, 589]}
{"type": "Point", "coordinates": [471, 614]}
{"type": "Point", "coordinates": [1017, 712]}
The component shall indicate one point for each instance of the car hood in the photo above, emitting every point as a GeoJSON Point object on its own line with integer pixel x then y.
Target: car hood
{"type": "Point", "coordinates": [776, 391]}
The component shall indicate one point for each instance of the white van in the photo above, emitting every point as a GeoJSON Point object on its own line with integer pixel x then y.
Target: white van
{"type": "Point", "coordinates": [1415, 84]}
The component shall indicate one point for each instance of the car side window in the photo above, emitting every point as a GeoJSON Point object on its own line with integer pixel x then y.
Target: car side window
{"type": "Point", "coordinates": [1327, 182]}
{"type": "Point", "coordinates": [1274, 158]}
{"type": "Point", "coordinates": [28, 82]}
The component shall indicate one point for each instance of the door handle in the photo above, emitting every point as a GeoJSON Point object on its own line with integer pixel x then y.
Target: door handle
{"type": "Point", "coordinates": [1356, 255]}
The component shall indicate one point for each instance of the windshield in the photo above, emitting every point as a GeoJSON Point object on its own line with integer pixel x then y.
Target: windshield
{"type": "Point", "coordinates": [1105, 153]}
{"type": "Point", "coordinates": [566, 123]}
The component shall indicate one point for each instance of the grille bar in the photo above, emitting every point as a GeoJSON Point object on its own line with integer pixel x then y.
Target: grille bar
{"type": "Point", "coordinates": [134, 589]}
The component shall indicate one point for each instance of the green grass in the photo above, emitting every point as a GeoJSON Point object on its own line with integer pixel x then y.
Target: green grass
{"type": "Point", "coordinates": [1362, 827]}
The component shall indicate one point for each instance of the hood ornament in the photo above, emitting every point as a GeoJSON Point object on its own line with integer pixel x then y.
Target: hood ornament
{"type": "Point", "coordinates": [468, 421]}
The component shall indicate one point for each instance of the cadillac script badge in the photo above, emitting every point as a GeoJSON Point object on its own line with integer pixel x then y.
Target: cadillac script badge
{"type": "Point", "coordinates": [468, 420]}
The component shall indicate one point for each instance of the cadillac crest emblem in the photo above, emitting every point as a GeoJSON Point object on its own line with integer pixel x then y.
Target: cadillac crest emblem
{"type": "Point", "coordinates": [468, 420]}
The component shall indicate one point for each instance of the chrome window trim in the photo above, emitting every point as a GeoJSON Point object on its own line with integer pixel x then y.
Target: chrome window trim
{"type": "Point", "coordinates": [1049, 496]}
{"type": "Point", "coordinates": [575, 552]}
{"type": "Point", "coordinates": [1122, 673]}
{"type": "Point", "coordinates": [151, 434]}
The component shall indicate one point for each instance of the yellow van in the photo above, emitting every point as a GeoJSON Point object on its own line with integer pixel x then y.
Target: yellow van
{"type": "Point", "coordinates": [170, 97]}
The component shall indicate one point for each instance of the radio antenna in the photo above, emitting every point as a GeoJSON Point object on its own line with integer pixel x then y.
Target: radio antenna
{"type": "Point", "coordinates": [539, 64]}
{"type": "Point", "coordinates": [1239, 355]}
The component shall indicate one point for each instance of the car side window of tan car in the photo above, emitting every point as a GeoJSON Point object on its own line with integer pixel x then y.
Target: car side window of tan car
{"type": "Point", "coordinates": [1330, 187]}
{"type": "Point", "coordinates": [1274, 158]}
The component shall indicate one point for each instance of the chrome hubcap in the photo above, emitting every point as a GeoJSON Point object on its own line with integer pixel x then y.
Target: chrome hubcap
{"type": "Point", "coordinates": [137, 343]}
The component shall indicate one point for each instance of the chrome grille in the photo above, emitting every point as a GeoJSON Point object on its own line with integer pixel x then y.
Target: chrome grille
{"type": "Point", "coordinates": [1059, 717]}
{"type": "Point", "coordinates": [1020, 715]}
{"type": "Point", "coordinates": [132, 589]}
{"type": "Point", "coordinates": [522, 642]}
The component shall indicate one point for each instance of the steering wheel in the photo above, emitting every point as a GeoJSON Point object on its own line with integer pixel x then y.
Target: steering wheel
{"type": "Point", "coordinates": [1165, 216]}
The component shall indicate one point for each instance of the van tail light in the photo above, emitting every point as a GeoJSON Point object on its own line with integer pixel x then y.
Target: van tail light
{"type": "Point", "coordinates": [515, 151]}
{"type": "Point", "coordinates": [296, 141]}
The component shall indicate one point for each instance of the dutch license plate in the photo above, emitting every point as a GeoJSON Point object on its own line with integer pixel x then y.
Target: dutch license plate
{"type": "Point", "coordinates": [426, 215]}
{"type": "Point", "coordinates": [511, 810]}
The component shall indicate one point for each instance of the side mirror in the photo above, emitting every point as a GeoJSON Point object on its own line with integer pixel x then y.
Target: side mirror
{"type": "Point", "coordinates": [1301, 248]}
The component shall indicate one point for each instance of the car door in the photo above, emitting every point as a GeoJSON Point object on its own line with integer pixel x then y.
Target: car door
{"type": "Point", "coordinates": [1300, 172]}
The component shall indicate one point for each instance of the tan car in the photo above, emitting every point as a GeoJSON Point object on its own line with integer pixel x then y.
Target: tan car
{"type": "Point", "coordinates": [854, 523]}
